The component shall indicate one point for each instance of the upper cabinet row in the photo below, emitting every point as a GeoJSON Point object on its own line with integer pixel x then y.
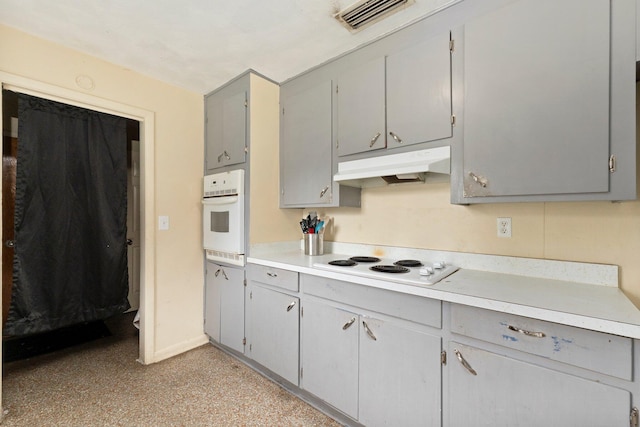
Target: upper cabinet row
{"type": "Point", "coordinates": [535, 98]}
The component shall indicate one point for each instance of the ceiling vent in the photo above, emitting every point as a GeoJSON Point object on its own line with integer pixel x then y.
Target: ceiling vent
{"type": "Point", "coordinates": [366, 12]}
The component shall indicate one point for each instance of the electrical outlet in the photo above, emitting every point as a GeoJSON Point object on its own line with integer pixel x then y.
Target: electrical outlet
{"type": "Point", "coordinates": [504, 227]}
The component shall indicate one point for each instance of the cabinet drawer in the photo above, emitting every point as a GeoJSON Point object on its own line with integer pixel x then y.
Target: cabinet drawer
{"type": "Point", "coordinates": [596, 351]}
{"type": "Point", "coordinates": [285, 279]}
{"type": "Point", "coordinates": [409, 307]}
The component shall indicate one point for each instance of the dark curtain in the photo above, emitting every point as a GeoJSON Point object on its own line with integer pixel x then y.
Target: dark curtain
{"type": "Point", "coordinates": [70, 263]}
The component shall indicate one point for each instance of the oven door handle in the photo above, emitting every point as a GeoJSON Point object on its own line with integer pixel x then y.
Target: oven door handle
{"type": "Point", "coordinates": [226, 200]}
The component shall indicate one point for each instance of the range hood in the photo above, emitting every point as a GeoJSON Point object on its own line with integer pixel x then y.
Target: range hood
{"type": "Point", "coordinates": [395, 168]}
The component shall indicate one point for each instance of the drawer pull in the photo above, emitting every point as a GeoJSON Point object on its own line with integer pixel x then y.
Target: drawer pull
{"type": "Point", "coordinates": [369, 331]}
{"type": "Point", "coordinates": [527, 333]}
{"type": "Point", "coordinates": [464, 362]}
{"type": "Point", "coordinates": [270, 274]}
{"type": "Point", "coordinates": [348, 324]}
{"type": "Point", "coordinates": [290, 306]}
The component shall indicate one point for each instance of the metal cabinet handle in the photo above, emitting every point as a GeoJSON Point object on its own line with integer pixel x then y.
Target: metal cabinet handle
{"type": "Point", "coordinates": [369, 331]}
{"type": "Point", "coordinates": [270, 274]}
{"type": "Point", "coordinates": [290, 306]}
{"type": "Point", "coordinates": [374, 139]}
{"type": "Point", "coordinates": [348, 324]}
{"type": "Point", "coordinates": [324, 190]}
{"type": "Point", "coordinates": [464, 362]}
{"type": "Point", "coordinates": [11, 243]}
{"type": "Point", "coordinates": [478, 179]}
{"type": "Point", "coordinates": [218, 271]}
{"type": "Point", "coordinates": [527, 333]}
{"type": "Point", "coordinates": [225, 155]}
{"type": "Point", "coordinates": [396, 137]}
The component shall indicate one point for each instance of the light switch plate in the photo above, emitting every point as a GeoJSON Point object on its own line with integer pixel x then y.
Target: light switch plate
{"type": "Point", "coordinates": [163, 222]}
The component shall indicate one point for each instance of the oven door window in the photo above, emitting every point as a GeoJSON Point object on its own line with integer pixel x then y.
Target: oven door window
{"type": "Point", "coordinates": [219, 222]}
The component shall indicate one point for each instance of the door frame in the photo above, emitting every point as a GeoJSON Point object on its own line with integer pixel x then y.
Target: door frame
{"type": "Point", "coordinates": [147, 188]}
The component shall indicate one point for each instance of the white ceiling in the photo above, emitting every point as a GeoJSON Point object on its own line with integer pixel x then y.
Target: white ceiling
{"type": "Point", "coordinates": [201, 44]}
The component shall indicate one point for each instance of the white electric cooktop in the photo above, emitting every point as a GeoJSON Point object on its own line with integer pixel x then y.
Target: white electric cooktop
{"type": "Point", "coordinates": [406, 271]}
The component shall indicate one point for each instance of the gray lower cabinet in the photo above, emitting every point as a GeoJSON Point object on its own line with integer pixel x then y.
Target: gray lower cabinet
{"type": "Point", "coordinates": [379, 372]}
{"type": "Point", "coordinates": [508, 370]}
{"type": "Point", "coordinates": [273, 340]}
{"type": "Point", "coordinates": [489, 389]}
{"type": "Point", "coordinates": [399, 375]}
{"type": "Point", "coordinates": [226, 119]}
{"type": "Point", "coordinates": [273, 320]}
{"type": "Point", "coordinates": [548, 110]}
{"type": "Point", "coordinates": [224, 305]}
{"type": "Point", "coordinates": [329, 355]}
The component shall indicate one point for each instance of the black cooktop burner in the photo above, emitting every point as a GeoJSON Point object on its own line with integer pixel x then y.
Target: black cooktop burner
{"type": "Point", "coordinates": [409, 263]}
{"type": "Point", "coordinates": [389, 269]}
{"type": "Point", "coordinates": [343, 262]}
{"type": "Point", "coordinates": [364, 259]}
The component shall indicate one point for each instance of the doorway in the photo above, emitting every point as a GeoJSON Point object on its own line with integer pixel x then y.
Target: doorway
{"type": "Point", "coordinates": [146, 119]}
{"type": "Point", "coordinates": [11, 142]}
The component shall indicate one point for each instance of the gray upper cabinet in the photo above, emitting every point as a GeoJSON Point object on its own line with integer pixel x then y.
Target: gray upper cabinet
{"type": "Point", "coordinates": [419, 93]}
{"type": "Point", "coordinates": [396, 100]}
{"type": "Point", "coordinates": [361, 108]}
{"type": "Point", "coordinates": [306, 146]}
{"type": "Point", "coordinates": [548, 103]}
{"type": "Point", "coordinates": [306, 154]}
{"type": "Point", "coordinates": [226, 125]}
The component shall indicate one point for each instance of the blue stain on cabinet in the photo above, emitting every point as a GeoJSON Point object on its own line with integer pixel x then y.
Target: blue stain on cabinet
{"type": "Point", "coordinates": [559, 342]}
{"type": "Point", "coordinates": [509, 338]}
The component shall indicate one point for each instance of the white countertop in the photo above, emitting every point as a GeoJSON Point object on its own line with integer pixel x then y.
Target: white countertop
{"type": "Point", "coordinates": [593, 301]}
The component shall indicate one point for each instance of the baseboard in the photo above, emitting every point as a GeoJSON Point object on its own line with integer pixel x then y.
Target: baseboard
{"type": "Point", "coordinates": [179, 348]}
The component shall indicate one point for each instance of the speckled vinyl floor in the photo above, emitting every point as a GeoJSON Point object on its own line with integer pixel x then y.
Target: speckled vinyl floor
{"type": "Point", "coordinates": [100, 384]}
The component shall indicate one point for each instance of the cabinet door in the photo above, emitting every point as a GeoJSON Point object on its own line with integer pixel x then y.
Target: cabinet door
{"type": "Point", "coordinates": [231, 282]}
{"type": "Point", "coordinates": [419, 93]}
{"type": "Point", "coordinates": [330, 355]}
{"type": "Point", "coordinates": [361, 108]}
{"type": "Point", "coordinates": [274, 331]}
{"type": "Point", "coordinates": [536, 99]}
{"type": "Point", "coordinates": [400, 376]}
{"type": "Point", "coordinates": [212, 303]}
{"type": "Point", "coordinates": [226, 126]}
{"type": "Point", "coordinates": [507, 392]}
{"type": "Point", "coordinates": [306, 147]}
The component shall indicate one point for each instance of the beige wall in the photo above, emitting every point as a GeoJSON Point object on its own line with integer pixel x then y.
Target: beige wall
{"type": "Point", "coordinates": [267, 222]}
{"type": "Point", "coordinates": [179, 124]}
{"type": "Point", "coordinates": [420, 216]}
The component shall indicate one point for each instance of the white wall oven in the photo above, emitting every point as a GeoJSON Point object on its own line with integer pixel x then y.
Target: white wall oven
{"type": "Point", "coordinates": [223, 217]}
